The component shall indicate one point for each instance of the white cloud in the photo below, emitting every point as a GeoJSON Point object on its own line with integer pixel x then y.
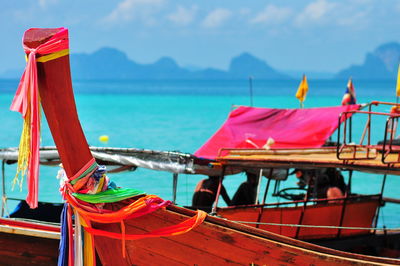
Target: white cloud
{"type": "Point", "coordinates": [183, 16]}
{"type": "Point", "coordinates": [129, 10]}
{"type": "Point", "coordinates": [357, 18]}
{"type": "Point", "coordinates": [46, 3]}
{"type": "Point", "coordinates": [216, 18]}
{"type": "Point", "coordinates": [315, 12]}
{"type": "Point", "coordinates": [272, 14]}
{"type": "Point", "coordinates": [245, 11]}
{"type": "Point", "coordinates": [359, 13]}
{"type": "Point", "coordinates": [355, 14]}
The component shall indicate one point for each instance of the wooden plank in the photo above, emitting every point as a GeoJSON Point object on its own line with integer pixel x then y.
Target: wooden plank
{"type": "Point", "coordinates": [219, 243]}
{"type": "Point", "coordinates": [34, 224]}
{"type": "Point", "coordinates": [391, 200]}
{"type": "Point", "coordinates": [110, 251]}
{"type": "Point", "coordinates": [296, 159]}
{"type": "Point", "coordinates": [286, 240]}
{"type": "Point", "coordinates": [174, 248]}
{"type": "Point", "coordinates": [29, 228]}
{"type": "Point", "coordinates": [25, 250]}
{"type": "Point", "coordinates": [29, 232]}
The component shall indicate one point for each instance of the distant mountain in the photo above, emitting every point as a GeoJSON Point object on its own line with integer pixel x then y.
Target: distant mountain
{"type": "Point", "coordinates": [106, 63]}
{"type": "Point", "coordinates": [110, 63]}
{"type": "Point", "coordinates": [380, 64]}
{"type": "Point", "coordinates": [246, 65]}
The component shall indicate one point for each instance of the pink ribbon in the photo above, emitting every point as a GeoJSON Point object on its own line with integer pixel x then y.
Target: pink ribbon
{"type": "Point", "coordinates": [28, 95]}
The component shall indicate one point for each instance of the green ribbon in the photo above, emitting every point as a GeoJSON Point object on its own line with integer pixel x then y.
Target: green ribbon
{"type": "Point", "coordinates": [87, 171]}
{"type": "Point", "coordinates": [110, 195]}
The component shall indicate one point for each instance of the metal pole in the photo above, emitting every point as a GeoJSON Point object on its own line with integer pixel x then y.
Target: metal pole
{"type": "Point", "coordinates": [380, 201]}
{"type": "Point", "coordinates": [369, 127]}
{"type": "Point", "coordinates": [260, 213]}
{"type": "Point", "coordinates": [338, 139]}
{"type": "Point", "coordinates": [3, 188]}
{"type": "Point", "coordinates": [214, 209]}
{"type": "Point", "coordinates": [276, 186]}
{"type": "Point", "coordinates": [344, 206]}
{"type": "Point", "coordinates": [267, 187]}
{"type": "Point", "coordinates": [349, 182]}
{"type": "Point", "coordinates": [350, 128]}
{"type": "Point", "coordinates": [311, 180]}
{"type": "Point", "coordinates": [174, 187]}
{"type": "Point", "coordinates": [258, 185]}
{"type": "Point", "coordinates": [342, 214]}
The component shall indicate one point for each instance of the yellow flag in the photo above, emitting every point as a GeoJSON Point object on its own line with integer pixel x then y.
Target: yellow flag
{"type": "Point", "coordinates": [302, 90]}
{"type": "Point", "coordinates": [398, 82]}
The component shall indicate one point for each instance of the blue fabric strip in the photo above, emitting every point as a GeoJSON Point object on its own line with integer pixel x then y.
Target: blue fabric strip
{"type": "Point", "coordinates": [63, 248]}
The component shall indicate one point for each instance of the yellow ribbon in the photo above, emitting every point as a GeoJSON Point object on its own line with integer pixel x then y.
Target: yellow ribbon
{"type": "Point", "coordinates": [51, 56]}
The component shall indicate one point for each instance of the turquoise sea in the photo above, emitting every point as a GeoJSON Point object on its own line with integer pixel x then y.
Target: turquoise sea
{"type": "Point", "coordinates": [181, 116]}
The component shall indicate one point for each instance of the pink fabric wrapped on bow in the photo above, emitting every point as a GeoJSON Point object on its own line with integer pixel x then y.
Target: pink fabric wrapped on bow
{"type": "Point", "coordinates": [26, 101]}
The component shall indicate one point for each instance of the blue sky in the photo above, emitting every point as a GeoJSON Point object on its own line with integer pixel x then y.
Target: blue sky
{"type": "Point", "coordinates": [303, 35]}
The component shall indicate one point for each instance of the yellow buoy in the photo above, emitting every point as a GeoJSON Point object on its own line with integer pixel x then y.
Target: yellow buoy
{"type": "Point", "coordinates": [103, 138]}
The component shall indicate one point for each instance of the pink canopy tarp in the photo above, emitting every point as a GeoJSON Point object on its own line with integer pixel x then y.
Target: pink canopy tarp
{"type": "Point", "coordinates": [251, 127]}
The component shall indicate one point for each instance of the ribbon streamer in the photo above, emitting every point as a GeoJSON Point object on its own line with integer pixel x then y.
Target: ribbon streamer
{"type": "Point", "coordinates": [26, 101]}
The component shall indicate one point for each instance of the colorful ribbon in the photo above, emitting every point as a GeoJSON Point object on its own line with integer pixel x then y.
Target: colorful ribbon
{"type": "Point", "coordinates": [87, 211]}
{"type": "Point", "coordinates": [26, 102]}
{"type": "Point", "coordinates": [172, 230]}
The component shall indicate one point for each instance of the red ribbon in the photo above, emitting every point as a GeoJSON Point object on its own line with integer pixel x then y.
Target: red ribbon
{"type": "Point", "coordinates": [28, 95]}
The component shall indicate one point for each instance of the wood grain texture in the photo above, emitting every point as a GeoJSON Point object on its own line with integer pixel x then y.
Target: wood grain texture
{"type": "Point", "coordinates": [213, 243]}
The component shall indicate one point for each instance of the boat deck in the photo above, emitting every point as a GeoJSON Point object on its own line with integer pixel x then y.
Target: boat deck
{"type": "Point", "coordinates": [354, 158]}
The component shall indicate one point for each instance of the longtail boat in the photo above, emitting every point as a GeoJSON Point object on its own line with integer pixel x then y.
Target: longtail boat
{"type": "Point", "coordinates": [125, 226]}
{"type": "Point", "coordinates": [346, 222]}
{"type": "Point", "coordinates": [31, 236]}
{"type": "Point", "coordinates": [308, 129]}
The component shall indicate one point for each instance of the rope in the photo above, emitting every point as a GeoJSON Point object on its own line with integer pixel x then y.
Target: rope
{"type": "Point", "coordinates": [322, 226]}
{"type": "Point", "coordinates": [4, 207]}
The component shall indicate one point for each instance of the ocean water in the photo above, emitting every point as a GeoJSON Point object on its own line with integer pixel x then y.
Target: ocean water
{"type": "Point", "coordinates": [181, 116]}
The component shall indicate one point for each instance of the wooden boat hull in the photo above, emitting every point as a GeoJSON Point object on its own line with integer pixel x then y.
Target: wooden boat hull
{"type": "Point", "coordinates": [359, 213]}
{"type": "Point", "coordinates": [216, 241]}
{"type": "Point", "coordinates": [28, 243]}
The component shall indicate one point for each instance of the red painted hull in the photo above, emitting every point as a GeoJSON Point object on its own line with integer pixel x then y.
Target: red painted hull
{"type": "Point", "coordinates": [216, 241]}
{"type": "Point", "coordinates": [28, 243]}
{"type": "Point", "coordinates": [356, 214]}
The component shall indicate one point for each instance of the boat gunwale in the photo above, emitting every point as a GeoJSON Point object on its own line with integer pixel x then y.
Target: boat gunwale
{"type": "Point", "coordinates": [354, 197]}
{"type": "Point", "coordinates": [283, 239]}
{"type": "Point", "coordinates": [31, 228]}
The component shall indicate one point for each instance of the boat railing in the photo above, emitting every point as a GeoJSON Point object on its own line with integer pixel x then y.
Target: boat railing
{"type": "Point", "coordinates": [354, 197]}
{"type": "Point", "coordinates": [388, 146]}
{"type": "Point", "coordinates": [287, 151]}
{"type": "Point", "coordinates": [348, 150]}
